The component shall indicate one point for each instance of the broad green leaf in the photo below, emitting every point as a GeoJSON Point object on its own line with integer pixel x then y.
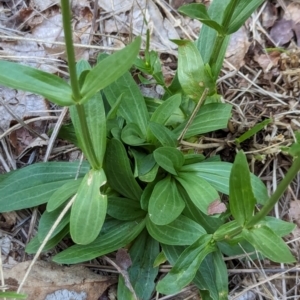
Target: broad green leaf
{"type": "Point", "coordinates": [79, 133]}
{"type": "Point", "coordinates": [161, 133]}
{"type": "Point", "coordinates": [281, 227]}
{"type": "Point", "coordinates": [96, 121]}
{"type": "Point", "coordinates": [176, 118]}
{"type": "Point", "coordinates": [172, 253]}
{"type": "Point", "coordinates": [240, 248]}
{"type": "Point", "coordinates": [82, 66]}
{"type": "Point", "coordinates": [14, 295]}
{"type": "Point", "coordinates": [192, 73]}
{"type": "Point", "coordinates": [36, 183]}
{"type": "Point", "coordinates": [124, 209]}
{"type": "Point", "coordinates": [241, 197]}
{"type": "Point", "coordinates": [294, 149]}
{"type": "Point", "coordinates": [28, 79]}
{"type": "Point", "coordinates": [242, 12]}
{"type": "Point", "coordinates": [205, 278]}
{"type": "Point", "coordinates": [132, 135]}
{"type": "Point", "coordinates": [169, 158]}
{"type": "Point", "coordinates": [193, 158]}
{"type": "Point", "coordinates": [141, 273]}
{"type": "Point", "coordinates": [145, 167]}
{"type": "Point", "coordinates": [165, 203]}
{"type": "Point", "coordinates": [182, 231]}
{"type": "Point", "coordinates": [209, 223]}
{"type": "Point", "coordinates": [199, 190]}
{"type": "Point", "coordinates": [160, 259]}
{"type": "Point", "coordinates": [62, 194]}
{"type": "Point", "coordinates": [48, 219]}
{"type": "Point", "coordinates": [109, 69]}
{"type": "Point", "coordinates": [118, 171]}
{"type": "Point", "coordinates": [221, 275]}
{"type": "Point", "coordinates": [132, 107]}
{"type": "Point", "coordinates": [112, 114]}
{"type": "Point", "coordinates": [218, 173]}
{"type": "Point", "coordinates": [185, 268]}
{"type": "Point", "coordinates": [147, 192]}
{"type": "Point", "coordinates": [164, 111]}
{"type": "Point", "coordinates": [268, 243]}
{"type": "Point", "coordinates": [211, 117]}
{"type": "Point", "coordinates": [198, 11]}
{"type": "Point", "coordinates": [115, 237]}
{"type": "Point", "coordinates": [151, 175]}
{"type": "Point", "coordinates": [249, 133]}
{"type": "Point", "coordinates": [141, 157]}
{"type": "Point", "coordinates": [33, 246]}
{"type": "Point", "coordinates": [67, 132]}
{"type": "Point", "coordinates": [89, 208]}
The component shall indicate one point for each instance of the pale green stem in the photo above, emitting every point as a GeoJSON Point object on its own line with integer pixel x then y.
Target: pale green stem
{"type": "Point", "coordinates": [282, 186]}
{"type": "Point", "coordinates": [85, 135]}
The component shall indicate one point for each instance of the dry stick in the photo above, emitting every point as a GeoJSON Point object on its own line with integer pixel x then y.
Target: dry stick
{"type": "Point", "coordinates": [201, 146]}
{"type": "Point", "coordinates": [17, 126]}
{"type": "Point", "coordinates": [124, 274]}
{"type": "Point", "coordinates": [47, 238]}
{"type": "Point", "coordinates": [9, 110]}
{"type": "Point", "coordinates": [18, 38]}
{"type": "Point", "coordinates": [1, 274]}
{"type": "Point", "coordinates": [276, 208]}
{"type": "Point", "coordinates": [4, 164]}
{"type": "Point", "coordinates": [276, 276]}
{"type": "Point", "coordinates": [7, 152]}
{"type": "Point", "coordinates": [55, 133]}
{"type": "Point", "coordinates": [193, 115]}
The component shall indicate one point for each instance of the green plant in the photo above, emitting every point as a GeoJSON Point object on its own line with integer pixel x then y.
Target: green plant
{"type": "Point", "coordinates": [139, 187]}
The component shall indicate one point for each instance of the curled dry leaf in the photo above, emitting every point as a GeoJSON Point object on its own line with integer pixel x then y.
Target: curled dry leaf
{"type": "Point", "coordinates": [116, 6]}
{"type": "Point", "coordinates": [268, 61]}
{"type": "Point", "coordinates": [282, 32]}
{"type": "Point", "coordinates": [123, 259]}
{"type": "Point", "coordinates": [294, 211]}
{"type": "Point", "coordinates": [10, 219]}
{"type": "Point", "coordinates": [5, 243]}
{"type": "Point", "coordinates": [269, 15]}
{"type": "Point", "coordinates": [161, 28]}
{"type": "Point", "coordinates": [237, 48]}
{"type": "Point", "coordinates": [216, 207]}
{"type": "Point", "coordinates": [177, 3]}
{"type": "Point", "coordinates": [292, 12]}
{"type": "Point", "coordinates": [16, 105]}
{"type": "Point", "coordinates": [50, 281]}
{"type": "Point", "coordinates": [42, 5]}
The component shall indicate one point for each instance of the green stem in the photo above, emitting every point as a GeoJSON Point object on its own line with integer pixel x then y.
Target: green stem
{"type": "Point", "coordinates": [83, 127]}
{"type": "Point", "coordinates": [216, 50]}
{"type": "Point", "coordinates": [66, 16]}
{"type": "Point", "coordinates": [229, 11]}
{"type": "Point", "coordinates": [282, 186]}
{"type": "Point", "coordinates": [86, 139]}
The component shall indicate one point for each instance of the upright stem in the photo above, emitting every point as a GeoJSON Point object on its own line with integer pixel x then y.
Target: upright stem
{"type": "Point", "coordinates": [216, 52]}
{"type": "Point", "coordinates": [88, 148]}
{"type": "Point", "coordinates": [220, 38]}
{"type": "Point", "coordinates": [86, 139]}
{"type": "Point", "coordinates": [66, 16]}
{"type": "Point", "coordinates": [282, 186]}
